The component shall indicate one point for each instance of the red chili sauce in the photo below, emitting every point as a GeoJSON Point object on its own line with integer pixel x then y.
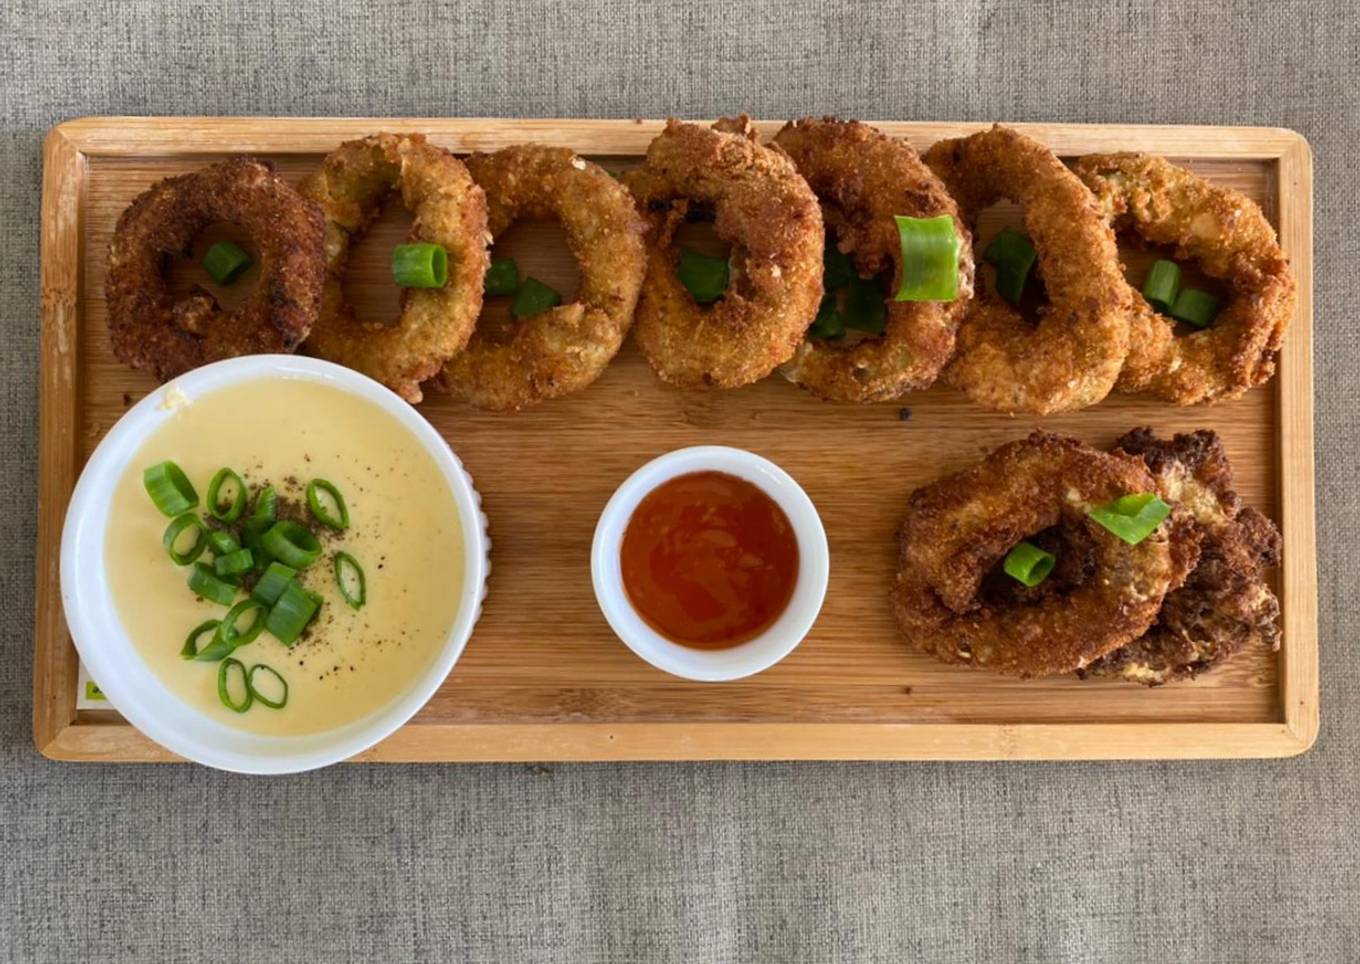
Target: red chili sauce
{"type": "Point", "coordinates": [709, 560]}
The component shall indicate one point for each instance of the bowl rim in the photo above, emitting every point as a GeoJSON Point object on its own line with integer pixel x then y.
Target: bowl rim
{"type": "Point", "coordinates": [104, 644]}
{"type": "Point", "coordinates": [754, 655]}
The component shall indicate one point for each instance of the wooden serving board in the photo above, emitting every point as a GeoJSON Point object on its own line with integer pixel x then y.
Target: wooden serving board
{"type": "Point", "coordinates": [543, 678]}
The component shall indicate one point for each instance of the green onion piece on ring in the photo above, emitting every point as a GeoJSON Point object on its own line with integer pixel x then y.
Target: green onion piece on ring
{"type": "Point", "coordinates": [179, 525]}
{"type": "Point", "coordinates": [230, 508]}
{"type": "Point", "coordinates": [234, 563]}
{"type": "Point", "coordinates": [261, 697]}
{"type": "Point", "coordinates": [291, 613]}
{"type": "Point", "coordinates": [502, 278]}
{"type": "Point", "coordinates": [534, 298]}
{"type": "Point", "coordinates": [1028, 564]}
{"type": "Point", "coordinates": [930, 258]}
{"type": "Point", "coordinates": [224, 687]}
{"type": "Point", "coordinates": [863, 308]}
{"type": "Point", "coordinates": [1013, 256]}
{"type": "Point", "coordinates": [190, 649]}
{"type": "Point", "coordinates": [292, 544]}
{"type": "Point", "coordinates": [1162, 283]}
{"type": "Point", "coordinates": [705, 278]}
{"type": "Point", "coordinates": [335, 516]}
{"type": "Point", "coordinates": [222, 542]}
{"type": "Point", "coordinates": [169, 488]}
{"type": "Point", "coordinates": [225, 261]}
{"type": "Point", "coordinates": [349, 576]}
{"type": "Point", "coordinates": [1195, 307]}
{"type": "Point", "coordinates": [204, 582]}
{"type": "Point", "coordinates": [272, 583]}
{"type": "Point", "coordinates": [420, 265]}
{"type": "Point", "coordinates": [1132, 517]}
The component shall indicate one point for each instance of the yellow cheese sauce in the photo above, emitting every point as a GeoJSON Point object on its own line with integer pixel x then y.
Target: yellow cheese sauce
{"type": "Point", "coordinates": [403, 530]}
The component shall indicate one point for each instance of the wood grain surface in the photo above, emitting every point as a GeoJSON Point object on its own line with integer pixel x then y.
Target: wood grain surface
{"type": "Point", "coordinates": [543, 677]}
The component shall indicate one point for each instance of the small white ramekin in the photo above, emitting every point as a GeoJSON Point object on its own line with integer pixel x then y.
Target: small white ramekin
{"type": "Point", "coordinates": [712, 665]}
{"type": "Point", "coordinates": [111, 656]}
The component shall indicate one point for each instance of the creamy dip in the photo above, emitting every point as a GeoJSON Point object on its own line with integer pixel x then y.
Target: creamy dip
{"type": "Point", "coordinates": [403, 530]}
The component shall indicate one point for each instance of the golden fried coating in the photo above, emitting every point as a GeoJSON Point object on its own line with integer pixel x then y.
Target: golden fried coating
{"type": "Point", "coordinates": [435, 323]}
{"type": "Point", "coordinates": [1231, 239]}
{"type": "Point", "coordinates": [565, 348]}
{"type": "Point", "coordinates": [960, 528]}
{"type": "Point", "coordinates": [1072, 358]}
{"type": "Point", "coordinates": [769, 215]}
{"type": "Point", "coordinates": [1225, 605]}
{"type": "Point", "coordinates": [863, 178]}
{"type": "Point", "coordinates": [153, 332]}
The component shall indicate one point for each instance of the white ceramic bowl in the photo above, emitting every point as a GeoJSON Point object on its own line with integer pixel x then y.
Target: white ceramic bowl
{"type": "Point", "coordinates": [112, 658]}
{"type": "Point", "coordinates": [712, 665]}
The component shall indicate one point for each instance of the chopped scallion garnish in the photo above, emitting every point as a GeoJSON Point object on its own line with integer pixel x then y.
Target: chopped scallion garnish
{"type": "Point", "coordinates": [169, 488]}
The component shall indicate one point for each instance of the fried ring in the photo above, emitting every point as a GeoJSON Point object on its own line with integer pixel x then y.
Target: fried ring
{"type": "Point", "coordinates": [565, 348]}
{"type": "Point", "coordinates": [960, 527]}
{"type": "Point", "coordinates": [863, 178]}
{"type": "Point", "coordinates": [1225, 605]}
{"type": "Point", "coordinates": [351, 185]}
{"type": "Point", "coordinates": [153, 332]}
{"type": "Point", "coordinates": [1072, 358]}
{"type": "Point", "coordinates": [769, 215]}
{"type": "Point", "coordinates": [1230, 238]}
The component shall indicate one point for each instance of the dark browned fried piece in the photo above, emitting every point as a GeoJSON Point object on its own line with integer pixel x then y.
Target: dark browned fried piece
{"type": "Point", "coordinates": [769, 215]}
{"type": "Point", "coordinates": [154, 332]}
{"type": "Point", "coordinates": [959, 529]}
{"type": "Point", "coordinates": [862, 179]}
{"type": "Point", "coordinates": [1225, 605]}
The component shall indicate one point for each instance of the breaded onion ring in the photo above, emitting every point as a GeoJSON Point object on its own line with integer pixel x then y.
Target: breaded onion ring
{"type": "Point", "coordinates": [351, 185]}
{"type": "Point", "coordinates": [565, 348]}
{"type": "Point", "coordinates": [1225, 605]}
{"type": "Point", "coordinates": [1230, 238]}
{"type": "Point", "coordinates": [863, 178]}
{"type": "Point", "coordinates": [960, 527]}
{"type": "Point", "coordinates": [1072, 357]}
{"type": "Point", "coordinates": [769, 215]}
{"type": "Point", "coordinates": [153, 332]}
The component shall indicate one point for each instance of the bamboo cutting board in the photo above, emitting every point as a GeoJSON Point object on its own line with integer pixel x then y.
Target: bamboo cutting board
{"type": "Point", "coordinates": [543, 678]}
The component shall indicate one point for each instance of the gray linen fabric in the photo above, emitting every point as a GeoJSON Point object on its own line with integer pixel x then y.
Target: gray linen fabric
{"type": "Point", "coordinates": [1123, 862]}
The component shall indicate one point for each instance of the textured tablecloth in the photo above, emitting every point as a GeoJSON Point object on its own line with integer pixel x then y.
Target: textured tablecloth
{"type": "Point", "coordinates": [1125, 862]}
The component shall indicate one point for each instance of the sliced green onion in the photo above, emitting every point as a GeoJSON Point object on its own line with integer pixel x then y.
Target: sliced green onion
{"type": "Point", "coordinates": [1195, 307]}
{"type": "Point", "coordinates": [863, 308]}
{"type": "Point", "coordinates": [190, 648]}
{"type": "Point", "coordinates": [349, 576]}
{"type": "Point", "coordinates": [234, 563]}
{"type": "Point", "coordinates": [337, 519]}
{"type": "Point", "coordinates": [837, 268]}
{"type": "Point", "coordinates": [273, 704]}
{"type": "Point", "coordinates": [272, 583]}
{"type": "Point", "coordinates": [204, 582]}
{"type": "Point", "coordinates": [292, 544]}
{"type": "Point", "coordinates": [225, 261]}
{"type": "Point", "coordinates": [222, 542]}
{"type": "Point", "coordinates": [1028, 564]}
{"type": "Point", "coordinates": [224, 686]}
{"type": "Point", "coordinates": [502, 278]}
{"type": "Point", "coordinates": [930, 258]}
{"type": "Point", "coordinates": [226, 510]}
{"type": "Point", "coordinates": [228, 637]}
{"type": "Point", "coordinates": [828, 323]}
{"type": "Point", "coordinates": [705, 278]}
{"type": "Point", "coordinates": [169, 488]}
{"type": "Point", "coordinates": [534, 298]}
{"type": "Point", "coordinates": [1132, 517]}
{"type": "Point", "coordinates": [1162, 283]}
{"type": "Point", "coordinates": [266, 506]}
{"type": "Point", "coordinates": [291, 613]}
{"type": "Point", "coordinates": [1013, 255]}
{"type": "Point", "coordinates": [177, 527]}
{"type": "Point", "coordinates": [420, 265]}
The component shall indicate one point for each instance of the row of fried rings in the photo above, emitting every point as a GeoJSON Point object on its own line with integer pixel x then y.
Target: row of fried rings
{"type": "Point", "coordinates": [774, 204]}
{"type": "Point", "coordinates": [1184, 599]}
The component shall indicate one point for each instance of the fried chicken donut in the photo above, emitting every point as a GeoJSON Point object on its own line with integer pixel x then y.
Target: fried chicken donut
{"type": "Point", "coordinates": [960, 527]}
{"type": "Point", "coordinates": [862, 178]}
{"type": "Point", "coordinates": [1072, 358]}
{"type": "Point", "coordinates": [1225, 605]}
{"type": "Point", "coordinates": [153, 332]}
{"type": "Point", "coordinates": [1230, 238]}
{"type": "Point", "coordinates": [769, 215]}
{"type": "Point", "coordinates": [565, 348]}
{"type": "Point", "coordinates": [351, 185]}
